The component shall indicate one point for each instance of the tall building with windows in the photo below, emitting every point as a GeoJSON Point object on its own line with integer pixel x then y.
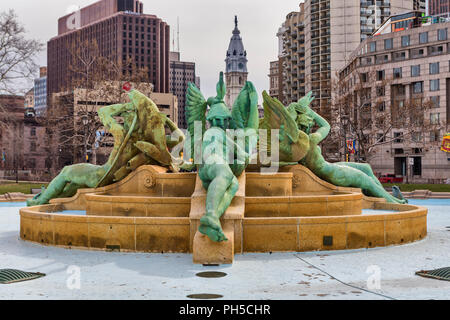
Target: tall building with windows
{"type": "Point", "coordinates": [236, 66]}
{"type": "Point", "coordinates": [181, 74]}
{"type": "Point", "coordinates": [122, 31]}
{"type": "Point", "coordinates": [396, 68]}
{"type": "Point", "coordinates": [420, 5]}
{"type": "Point", "coordinates": [333, 29]}
{"type": "Point", "coordinates": [438, 7]}
{"type": "Point", "coordinates": [274, 79]}
{"type": "Point", "coordinates": [292, 56]}
{"type": "Point", "coordinates": [40, 93]}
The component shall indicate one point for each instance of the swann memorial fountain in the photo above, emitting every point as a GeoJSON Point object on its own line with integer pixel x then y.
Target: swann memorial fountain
{"type": "Point", "coordinates": [264, 188]}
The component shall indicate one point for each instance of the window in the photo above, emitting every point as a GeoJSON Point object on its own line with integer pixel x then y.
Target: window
{"type": "Point", "coordinates": [417, 87]}
{"type": "Point", "coordinates": [417, 53]}
{"type": "Point", "coordinates": [434, 85]}
{"type": "Point", "coordinates": [382, 58]}
{"type": "Point", "coordinates": [33, 131]}
{"type": "Point", "coordinates": [372, 46]}
{"type": "Point", "coordinates": [388, 44]}
{"type": "Point", "coordinates": [381, 137]}
{"type": "Point", "coordinates": [397, 73]}
{"type": "Point", "coordinates": [33, 146]}
{"type": "Point", "coordinates": [442, 34]}
{"type": "Point", "coordinates": [415, 71]}
{"type": "Point", "coordinates": [363, 77]}
{"type": "Point", "coordinates": [405, 41]}
{"type": "Point", "coordinates": [434, 118]}
{"type": "Point", "coordinates": [416, 137]}
{"type": "Point", "coordinates": [380, 91]}
{"type": "Point", "coordinates": [434, 136]}
{"type": "Point", "coordinates": [434, 68]}
{"type": "Point", "coordinates": [398, 56]}
{"type": "Point", "coordinates": [435, 101]}
{"type": "Point", "coordinates": [398, 137]}
{"type": "Point", "coordinates": [434, 50]}
{"type": "Point", "coordinates": [399, 90]}
{"type": "Point", "coordinates": [381, 106]}
{"type": "Point", "coordinates": [380, 75]}
{"type": "Point", "coordinates": [423, 37]}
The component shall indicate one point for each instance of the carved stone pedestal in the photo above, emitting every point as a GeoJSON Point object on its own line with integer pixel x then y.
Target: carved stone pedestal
{"type": "Point", "coordinates": [206, 251]}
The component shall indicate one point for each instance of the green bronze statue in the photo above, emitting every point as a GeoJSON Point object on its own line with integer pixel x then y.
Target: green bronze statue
{"type": "Point", "coordinates": [344, 174]}
{"type": "Point", "coordinates": [293, 143]}
{"type": "Point", "coordinates": [219, 166]}
{"type": "Point", "coordinates": [141, 140]}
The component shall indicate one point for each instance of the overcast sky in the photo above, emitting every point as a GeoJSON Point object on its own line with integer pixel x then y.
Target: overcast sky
{"type": "Point", "coordinates": [205, 30]}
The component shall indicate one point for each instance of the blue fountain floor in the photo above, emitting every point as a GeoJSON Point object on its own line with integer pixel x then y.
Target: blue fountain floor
{"type": "Point", "coordinates": [278, 276]}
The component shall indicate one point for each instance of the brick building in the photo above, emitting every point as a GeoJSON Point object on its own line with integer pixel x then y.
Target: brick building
{"type": "Point", "coordinates": [438, 7]}
{"type": "Point", "coordinates": [23, 144]}
{"type": "Point", "coordinates": [411, 62]}
{"type": "Point", "coordinates": [122, 31]}
{"type": "Point", "coordinates": [181, 74]}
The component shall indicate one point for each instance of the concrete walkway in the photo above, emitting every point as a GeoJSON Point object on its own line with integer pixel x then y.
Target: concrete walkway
{"type": "Point", "coordinates": [280, 276]}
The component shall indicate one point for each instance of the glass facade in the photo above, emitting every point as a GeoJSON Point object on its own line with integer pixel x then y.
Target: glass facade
{"type": "Point", "coordinates": [40, 95]}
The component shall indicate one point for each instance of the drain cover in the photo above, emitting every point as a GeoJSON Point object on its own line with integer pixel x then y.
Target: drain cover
{"type": "Point", "coordinates": [204, 296]}
{"type": "Point", "coordinates": [211, 274]}
{"type": "Point", "coordinates": [10, 276]}
{"type": "Point", "coordinates": [440, 274]}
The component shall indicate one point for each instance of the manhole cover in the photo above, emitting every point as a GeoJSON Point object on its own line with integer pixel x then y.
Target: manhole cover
{"type": "Point", "coordinates": [11, 276]}
{"type": "Point", "coordinates": [204, 296]}
{"type": "Point", "coordinates": [211, 274]}
{"type": "Point", "coordinates": [440, 274]}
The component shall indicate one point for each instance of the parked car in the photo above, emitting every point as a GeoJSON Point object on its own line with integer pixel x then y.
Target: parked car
{"type": "Point", "coordinates": [390, 178]}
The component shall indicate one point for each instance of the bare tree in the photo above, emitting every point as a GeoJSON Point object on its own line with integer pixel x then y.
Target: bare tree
{"type": "Point", "coordinates": [375, 110]}
{"type": "Point", "coordinates": [95, 81]}
{"type": "Point", "coordinates": [17, 53]}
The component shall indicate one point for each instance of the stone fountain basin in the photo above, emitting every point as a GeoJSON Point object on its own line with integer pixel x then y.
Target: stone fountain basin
{"type": "Point", "coordinates": [259, 234]}
{"type": "Point", "coordinates": [137, 205]}
{"type": "Point", "coordinates": [408, 223]}
{"type": "Point", "coordinates": [332, 203]}
{"type": "Point", "coordinates": [153, 211]}
{"type": "Point", "coordinates": [129, 234]}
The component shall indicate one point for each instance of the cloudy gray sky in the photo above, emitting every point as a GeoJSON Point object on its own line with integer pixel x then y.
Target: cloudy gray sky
{"type": "Point", "coordinates": [205, 30]}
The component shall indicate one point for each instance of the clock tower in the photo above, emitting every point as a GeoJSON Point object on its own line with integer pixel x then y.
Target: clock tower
{"type": "Point", "coordinates": [236, 66]}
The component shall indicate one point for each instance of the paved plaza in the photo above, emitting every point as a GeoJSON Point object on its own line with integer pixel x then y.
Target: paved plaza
{"type": "Point", "coordinates": [277, 276]}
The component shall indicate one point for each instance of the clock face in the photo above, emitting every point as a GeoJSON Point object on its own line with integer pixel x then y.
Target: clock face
{"type": "Point", "coordinates": [241, 66]}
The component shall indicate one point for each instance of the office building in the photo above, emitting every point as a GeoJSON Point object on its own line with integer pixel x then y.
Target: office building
{"type": "Point", "coordinates": [397, 68]}
{"type": "Point", "coordinates": [40, 93]}
{"type": "Point", "coordinates": [181, 74]}
{"type": "Point", "coordinates": [122, 32]}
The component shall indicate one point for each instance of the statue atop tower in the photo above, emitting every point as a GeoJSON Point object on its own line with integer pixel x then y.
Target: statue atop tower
{"type": "Point", "coordinates": [236, 66]}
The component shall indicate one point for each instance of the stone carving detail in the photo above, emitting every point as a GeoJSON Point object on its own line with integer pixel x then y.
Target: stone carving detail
{"type": "Point", "coordinates": [149, 181]}
{"type": "Point", "coordinates": [296, 181]}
